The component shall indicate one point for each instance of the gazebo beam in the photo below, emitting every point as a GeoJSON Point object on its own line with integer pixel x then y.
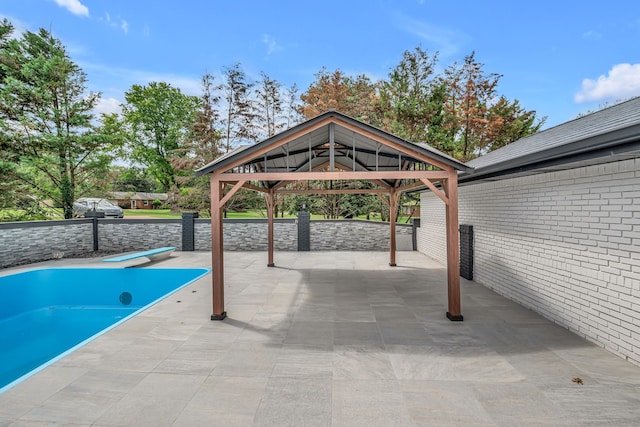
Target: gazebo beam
{"type": "Point", "coordinates": [344, 191]}
{"type": "Point", "coordinates": [231, 192]}
{"type": "Point", "coordinates": [410, 186]}
{"type": "Point", "coordinates": [338, 174]}
{"type": "Point", "coordinates": [437, 192]}
{"type": "Point", "coordinates": [250, 186]}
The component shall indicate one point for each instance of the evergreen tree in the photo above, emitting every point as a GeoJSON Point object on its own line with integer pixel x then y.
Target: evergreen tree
{"type": "Point", "coordinates": [412, 99]}
{"type": "Point", "coordinates": [480, 120]}
{"type": "Point", "coordinates": [47, 132]}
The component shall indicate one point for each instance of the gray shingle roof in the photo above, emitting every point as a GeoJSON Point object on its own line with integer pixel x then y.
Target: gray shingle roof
{"type": "Point", "coordinates": [585, 133]}
{"type": "Point", "coordinates": [133, 195]}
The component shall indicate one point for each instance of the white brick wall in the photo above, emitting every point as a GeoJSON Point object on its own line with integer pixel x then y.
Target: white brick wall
{"type": "Point", "coordinates": [564, 244]}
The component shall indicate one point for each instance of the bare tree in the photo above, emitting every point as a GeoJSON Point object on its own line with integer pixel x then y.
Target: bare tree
{"type": "Point", "coordinates": [241, 116]}
{"type": "Point", "coordinates": [270, 105]}
{"type": "Point", "coordinates": [291, 108]}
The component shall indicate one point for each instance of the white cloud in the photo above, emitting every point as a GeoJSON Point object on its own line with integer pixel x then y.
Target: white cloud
{"type": "Point", "coordinates": [272, 45]}
{"type": "Point", "coordinates": [622, 81]}
{"type": "Point", "coordinates": [108, 106]}
{"type": "Point", "coordinates": [115, 23]}
{"type": "Point", "coordinates": [443, 39]}
{"type": "Point", "coordinates": [591, 35]}
{"type": "Point", "coordinates": [124, 78]}
{"type": "Point", "coordinates": [74, 6]}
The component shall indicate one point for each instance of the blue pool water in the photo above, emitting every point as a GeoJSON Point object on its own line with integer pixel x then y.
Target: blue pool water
{"type": "Point", "coordinates": [46, 313]}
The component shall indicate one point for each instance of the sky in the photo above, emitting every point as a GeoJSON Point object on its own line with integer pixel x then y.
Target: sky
{"type": "Point", "coordinates": [560, 58]}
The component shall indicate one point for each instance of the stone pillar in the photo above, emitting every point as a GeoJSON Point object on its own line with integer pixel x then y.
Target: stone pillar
{"type": "Point", "coordinates": [188, 231]}
{"type": "Point", "coordinates": [466, 251]}
{"type": "Point", "coordinates": [304, 231]}
{"type": "Point", "coordinates": [415, 224]}
{"type": "Point", "coordinates": [94, 215]}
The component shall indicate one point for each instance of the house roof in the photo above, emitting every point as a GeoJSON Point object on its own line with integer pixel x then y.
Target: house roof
{"type": "Point", "coordinates": [606, 135]}
{"type": "Point", "coordinates": [133, 195]}
{"type": "Point", "coordinates": [357, 146]}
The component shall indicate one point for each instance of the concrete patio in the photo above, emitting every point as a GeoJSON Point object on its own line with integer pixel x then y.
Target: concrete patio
{"type": "Point", "coordinates": [328, 339]}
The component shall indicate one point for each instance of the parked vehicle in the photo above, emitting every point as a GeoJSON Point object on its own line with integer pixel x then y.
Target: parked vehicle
{"type": "Point", "coordinates": [87, 204]}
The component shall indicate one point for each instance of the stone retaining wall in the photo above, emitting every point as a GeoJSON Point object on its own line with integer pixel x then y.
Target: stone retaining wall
{"type": "Point", "coordinates": [35, 241]}
{"type": "Point", "coordinates": [248, 235]}
{"type": "Point", "coordinates": [353, 235]}
{"type": "Point", "coordinates": [117, 235]}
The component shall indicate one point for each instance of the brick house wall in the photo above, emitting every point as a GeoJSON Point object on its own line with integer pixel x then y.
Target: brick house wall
{"type": "Point", "coordinates": [565, 244]}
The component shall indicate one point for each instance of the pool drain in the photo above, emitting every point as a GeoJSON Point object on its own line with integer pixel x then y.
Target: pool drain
{"type": "Point", "coordinates": [126, 298]}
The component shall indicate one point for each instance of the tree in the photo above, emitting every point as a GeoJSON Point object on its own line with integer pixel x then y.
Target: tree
{"type": "Point", "coordinates": [47, 131]}
{"type": "Point", "coordinates": [327, 92]}
{"type": "Point", "coordinates": [204, 145]}
{"type": "Point", "coordinates": [241, 115]}
{"type": "Point", "coordinates": [412, 99]}
{"type": "Point", "coordinates": [512, 122]}
{"type": "Point", "coordinates": [206, 138]}
{"type": "Point", "coordinates": [480, 119]}
{"type": "Point", "coordinates": [363, 100]}
{"type": "Point", "coordinates": [291, 109]}
{"type": "Point", "coordinates": [355, 97]}
{"type": "Point", "coordinates": [270, 105]}
{"type": "Point", "coordinates": [159, 119]}
{"type": "Point", "coordinates": [132, 179]}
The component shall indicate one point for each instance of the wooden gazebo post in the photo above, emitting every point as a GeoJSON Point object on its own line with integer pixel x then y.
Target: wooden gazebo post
{"type": "Point", "coordinates": [393, 203]}
{"type": "Point", "coordinates": [270, 199]}
{"type": "Point", "coordinates": [453, 247]}
{"type": "Point", "coordinates": [217, 248]}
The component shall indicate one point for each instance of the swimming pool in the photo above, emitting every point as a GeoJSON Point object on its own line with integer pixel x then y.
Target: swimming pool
{"type": "Point", "coordinates": [47, 313]}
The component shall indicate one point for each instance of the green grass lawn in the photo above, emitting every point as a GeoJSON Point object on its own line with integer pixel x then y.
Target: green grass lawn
{"type": "Point", "coordinates": [166, 213]}
{"type": "Point", "coordinates": [153, 213]}
{"type": "Point", "coordinates": [10, 215]}
{"type": "Point", "coordinates": [254, 213]}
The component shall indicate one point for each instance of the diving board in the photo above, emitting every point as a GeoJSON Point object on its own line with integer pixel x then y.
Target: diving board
{"type": "Point", "coordinates": [153, 255]}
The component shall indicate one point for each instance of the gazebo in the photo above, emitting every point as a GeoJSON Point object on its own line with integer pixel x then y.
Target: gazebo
{"type": "Point", "coordinates": [336, 148]}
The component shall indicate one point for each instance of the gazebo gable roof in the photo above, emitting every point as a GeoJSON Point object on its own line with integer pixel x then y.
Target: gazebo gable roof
{"type": "Point", "coordinates": [355, 146]}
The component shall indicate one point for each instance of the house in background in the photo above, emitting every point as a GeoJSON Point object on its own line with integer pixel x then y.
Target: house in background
{"type": "Point", "coordinates": [556, 225]}
{"type": "Point", "coordinates": [137, 200]}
